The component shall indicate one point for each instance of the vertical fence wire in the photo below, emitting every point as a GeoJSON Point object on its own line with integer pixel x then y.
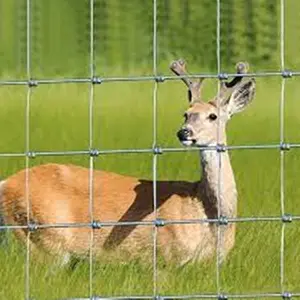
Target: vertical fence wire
{"type": "Point", "coordinates": [27, 145]}
{"type": "Point", "coordinates": [91, 159]}
{"type": "Point", "coordinates": [218, 154]}
{"type": "Point", "coordinates": [282, 151]}
{"type": "Point", "coordinates": [154, 145]}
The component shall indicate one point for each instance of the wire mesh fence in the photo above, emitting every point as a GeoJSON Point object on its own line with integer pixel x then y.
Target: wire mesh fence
{"type": "Point", "coordinates": [92, 153]}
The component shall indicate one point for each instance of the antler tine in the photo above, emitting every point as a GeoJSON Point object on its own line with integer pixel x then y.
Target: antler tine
{"type": "Point", "coordinates": [179, 68]}
{"type": "Point", "coordinates": [241, 68]}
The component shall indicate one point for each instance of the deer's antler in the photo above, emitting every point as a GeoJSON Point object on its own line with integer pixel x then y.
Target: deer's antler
{"type": "Point", "coordinates": [228, 86]}
{"type": "Point", "coordinates": [194, 92]}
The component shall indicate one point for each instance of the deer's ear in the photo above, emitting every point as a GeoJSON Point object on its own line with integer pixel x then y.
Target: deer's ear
{"type": "Point", "coordinates": [240, 97]}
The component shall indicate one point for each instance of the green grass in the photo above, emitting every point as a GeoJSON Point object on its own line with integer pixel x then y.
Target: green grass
{"type": "Point", "coordinates": [123, 119]}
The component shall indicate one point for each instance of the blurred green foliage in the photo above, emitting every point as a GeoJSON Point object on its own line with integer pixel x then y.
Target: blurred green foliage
{"type": "Point", "coordinates": [123, 34]}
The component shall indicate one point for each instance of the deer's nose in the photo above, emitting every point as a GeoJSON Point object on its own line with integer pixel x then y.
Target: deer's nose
{"type": "Point", "coordinates": [184, 133]}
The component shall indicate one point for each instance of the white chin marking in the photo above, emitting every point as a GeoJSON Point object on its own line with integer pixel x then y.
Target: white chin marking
{"type": "Point", "coordinates": [187, 143]}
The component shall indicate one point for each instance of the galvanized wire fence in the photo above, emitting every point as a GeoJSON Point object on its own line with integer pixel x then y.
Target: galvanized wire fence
{"type": "Point", "coordinates": [93, 224]}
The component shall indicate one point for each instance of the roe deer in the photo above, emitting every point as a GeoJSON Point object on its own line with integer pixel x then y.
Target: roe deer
{"type": "Point", "coordinates": [60, 193]}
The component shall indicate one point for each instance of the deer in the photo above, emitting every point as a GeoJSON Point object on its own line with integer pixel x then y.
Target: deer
{"type": "Point", "coordinates": [59, 193]}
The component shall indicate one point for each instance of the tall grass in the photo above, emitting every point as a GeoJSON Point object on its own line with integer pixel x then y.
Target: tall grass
{"type": "Point", "coordinates": [123, 119]}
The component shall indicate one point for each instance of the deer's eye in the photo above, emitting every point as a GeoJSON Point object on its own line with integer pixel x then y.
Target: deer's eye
{"type": "Point", "coordinates": [186, 116]}
{"type": "Point", "coordinates": [212, 117]}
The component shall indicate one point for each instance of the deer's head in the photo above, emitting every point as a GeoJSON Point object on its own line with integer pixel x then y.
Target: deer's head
{"type": "Point", "coordinates": [201, 119]}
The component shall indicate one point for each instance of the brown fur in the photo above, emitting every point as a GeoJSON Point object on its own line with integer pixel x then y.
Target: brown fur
{"type": "Point", "coordinates": [59, 194]}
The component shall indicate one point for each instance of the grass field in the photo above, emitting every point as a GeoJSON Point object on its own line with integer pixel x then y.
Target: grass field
{"type": "Point", "coordinates": [123, 119]}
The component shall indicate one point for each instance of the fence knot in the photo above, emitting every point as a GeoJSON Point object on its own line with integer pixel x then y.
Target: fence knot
{"type": "Point", "coordinates": [287, 218]}
{"type": "Point", "coordinates": [32, 83]}
{"type": "Point", "coordinates": [157, 150]}
{"type": "Point", "coordinates": [96, 225]}
{"type": "Point", "coordinates": [287, 74]}
{"type": "Point", "coordinates": [31, 154]}
{"type": "Point", "coordinates": [32, 227]}
{"type": "Point", "coordinates": [94, 152]}
{"type": "Point", "coordinates": [159, 79]}
{"type": "Point", "coordinates": [159, 223]}
{"type": "Point", "coordinates": [222, 297]}
{"type": "Point", "coordinates": [223, 76]}
{"type": "Point", "coordinates": [285, 146]}
{"type": "Point", "coordinates": [96, 80]}
{"type": "Point", "coordinates": [223, 220]}
{"type": "Point", "coordinates": [286, 296]}
{"type": "Point", "coordinates": [221, 148]}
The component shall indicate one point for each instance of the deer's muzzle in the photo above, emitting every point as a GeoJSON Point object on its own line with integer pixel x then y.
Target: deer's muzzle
{"type": "Point", "coordinates": [184, 134]}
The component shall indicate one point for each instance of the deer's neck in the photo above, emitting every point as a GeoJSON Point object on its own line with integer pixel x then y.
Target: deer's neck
{"type": "Point", "coordinates": [213, 194]}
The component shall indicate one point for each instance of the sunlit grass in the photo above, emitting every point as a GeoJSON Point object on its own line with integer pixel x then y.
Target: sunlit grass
{"type": "Point", "coordinates": [123, 113]}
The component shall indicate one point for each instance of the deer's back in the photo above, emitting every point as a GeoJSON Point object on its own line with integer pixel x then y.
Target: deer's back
{"type": "Point", "coordinates": [60, 194]}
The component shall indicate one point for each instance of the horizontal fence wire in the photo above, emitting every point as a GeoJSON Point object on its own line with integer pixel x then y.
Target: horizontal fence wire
{"type": "Point", "coordinates": [158, 79]}
{"type": "Point", "coordinates": [156, 150]}
{"type": "Point", "coordinates": [198, 296]}
{"type": "Point", "coordinates": [287, 218]}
